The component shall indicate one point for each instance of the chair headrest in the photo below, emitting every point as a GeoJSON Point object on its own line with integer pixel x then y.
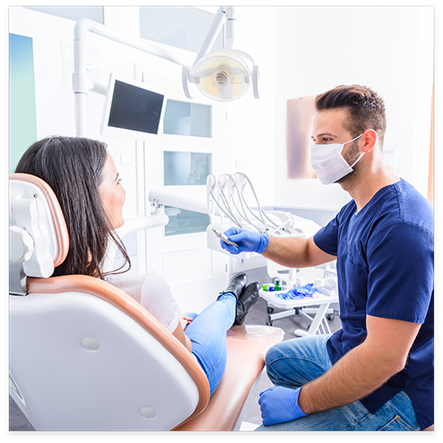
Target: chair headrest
{"type": "Point", "coordinates": [38, 236]}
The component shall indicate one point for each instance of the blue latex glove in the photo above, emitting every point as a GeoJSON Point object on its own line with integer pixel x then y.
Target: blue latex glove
{"type": "Point", "coordinates": [279, 405]}
{"type": "Point", "coordinates": [247, 241]}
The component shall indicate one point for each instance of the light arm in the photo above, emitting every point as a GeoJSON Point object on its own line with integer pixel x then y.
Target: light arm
{"type": "Point", "coordinates": [223, 15]}
{"type": "Point", "coordinates": [191, 200]}
{"type": "Point", "coordinates": [217, 24]}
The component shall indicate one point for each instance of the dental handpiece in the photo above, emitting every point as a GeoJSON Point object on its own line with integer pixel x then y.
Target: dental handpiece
{"type": "Point", "coordinates": [224, 238]}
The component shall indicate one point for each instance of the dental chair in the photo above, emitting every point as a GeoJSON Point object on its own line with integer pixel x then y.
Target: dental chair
{"type": "Point", "coordinates": [86, 356]}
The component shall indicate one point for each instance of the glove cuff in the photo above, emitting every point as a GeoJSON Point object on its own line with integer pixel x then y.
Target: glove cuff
{"type": "Point", "coordinates": [264, 242]}
{"type": "Point", "coordinates": [294, 401]}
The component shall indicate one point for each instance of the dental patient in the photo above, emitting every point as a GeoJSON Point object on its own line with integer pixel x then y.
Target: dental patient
{"type": "Point", "coordinates": [85, 180]}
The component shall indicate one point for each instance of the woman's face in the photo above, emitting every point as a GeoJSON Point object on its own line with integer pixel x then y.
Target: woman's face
{"type": "Point", "coordinates": [112, 193]}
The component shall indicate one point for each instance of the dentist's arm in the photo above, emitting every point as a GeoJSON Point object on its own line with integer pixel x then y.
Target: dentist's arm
{"type": "Point", "coordinates": [292, 252]}
{"type": "Point", "coordinates": [357, 374]}
{"type": "Point", "coordinates": [296, 252]}
{"type": "Point", "coordinates": [363, 369]}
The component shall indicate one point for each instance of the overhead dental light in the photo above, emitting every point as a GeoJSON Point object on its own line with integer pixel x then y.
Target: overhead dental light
{"type": "Point", "coordinates": [226, 74]}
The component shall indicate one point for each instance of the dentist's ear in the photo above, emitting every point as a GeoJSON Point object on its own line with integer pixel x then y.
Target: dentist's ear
{"type": "Point", "coordinates": [369, 140]}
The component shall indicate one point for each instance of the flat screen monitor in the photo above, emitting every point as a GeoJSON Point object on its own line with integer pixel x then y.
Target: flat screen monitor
{"type": "Point", "coordinates": [132, 110]}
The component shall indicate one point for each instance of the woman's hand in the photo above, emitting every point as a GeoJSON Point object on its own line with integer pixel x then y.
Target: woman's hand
{"type": "Point", "coordinates": [186, 321]}
{"type": "Point", "coordinates": [179, 333]}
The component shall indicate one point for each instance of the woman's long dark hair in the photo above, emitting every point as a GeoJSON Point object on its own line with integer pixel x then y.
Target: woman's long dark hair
{"type": "Point", "coordinates": [72, 167]}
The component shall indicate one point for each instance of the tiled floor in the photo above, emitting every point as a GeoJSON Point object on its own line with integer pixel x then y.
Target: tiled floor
{"type": "Point", "coordinates": [257, 315]}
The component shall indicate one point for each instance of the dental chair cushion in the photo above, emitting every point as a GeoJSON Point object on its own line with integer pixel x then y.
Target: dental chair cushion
{"type": "Point", "coordinates": [247, 347]}
{"type": "Point", "coordinates": [122, 301]}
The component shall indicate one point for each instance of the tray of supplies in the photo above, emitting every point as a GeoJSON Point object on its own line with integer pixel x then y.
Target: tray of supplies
{"type": "Point", "coordinates": [289, 298]}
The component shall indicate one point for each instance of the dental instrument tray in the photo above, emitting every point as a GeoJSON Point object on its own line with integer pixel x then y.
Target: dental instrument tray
{"type": "Point", "coordinates": [288, 298]}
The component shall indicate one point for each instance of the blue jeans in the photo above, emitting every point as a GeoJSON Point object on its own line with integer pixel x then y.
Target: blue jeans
{"type": "Point", "coordinates": [294, 363]}
{"type": "Point", "coordinates": [207, 333]}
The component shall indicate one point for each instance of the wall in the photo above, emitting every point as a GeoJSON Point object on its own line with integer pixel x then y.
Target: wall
{"type": "Point", "coordinates": [22, 113]}
{"type": "Point", "coordinates": [54, 60]}
{"type": "Point", "coordinates": [389, 49]}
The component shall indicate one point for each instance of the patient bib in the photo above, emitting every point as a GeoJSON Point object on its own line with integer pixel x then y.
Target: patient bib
{"type": "Point", "coordinates": [153, 293]}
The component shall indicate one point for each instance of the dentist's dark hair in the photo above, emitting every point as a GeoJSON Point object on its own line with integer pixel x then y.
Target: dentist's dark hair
{"type": "Point", "coordinates": [72, 167]}
{"type": "Point", "coordinates": [365, 107]}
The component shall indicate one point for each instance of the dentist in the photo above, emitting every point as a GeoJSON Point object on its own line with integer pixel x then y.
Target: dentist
{"type": "Point", "coordinates": [377, 372]}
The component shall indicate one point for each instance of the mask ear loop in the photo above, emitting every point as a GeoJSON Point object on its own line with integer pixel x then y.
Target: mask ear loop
{"type": "Point", "coordinates": [363, 153]}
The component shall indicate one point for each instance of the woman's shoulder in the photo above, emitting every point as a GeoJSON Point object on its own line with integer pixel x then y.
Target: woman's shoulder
{"type": "Point", "coordinates": [153, 292]}
{"type": "Point", "coordinates": [136, 283]}
{"type": "Point", "coordinates": [133, 277]}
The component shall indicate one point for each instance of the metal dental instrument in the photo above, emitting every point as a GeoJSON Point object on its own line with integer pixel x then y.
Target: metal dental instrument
{"type": "Point", "coordinates": [224, 238]}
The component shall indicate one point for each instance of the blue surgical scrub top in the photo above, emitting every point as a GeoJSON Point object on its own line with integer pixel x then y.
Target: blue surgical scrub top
{"type": "Point", "coordinates": [385, 268]}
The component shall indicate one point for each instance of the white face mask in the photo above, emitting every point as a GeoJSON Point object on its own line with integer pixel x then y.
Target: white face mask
{"type": "Point", "coordinates": [329, 164]}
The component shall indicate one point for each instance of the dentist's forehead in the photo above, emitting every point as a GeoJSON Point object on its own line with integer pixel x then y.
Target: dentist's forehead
{"type": "Point", "coordinates": [329, 122]}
